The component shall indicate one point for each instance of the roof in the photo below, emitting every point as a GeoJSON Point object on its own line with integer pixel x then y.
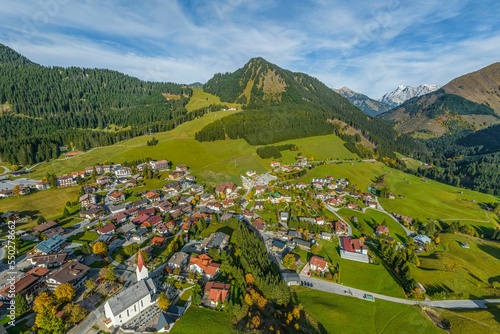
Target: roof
{"type": "Point", "coordinates": [127, 227]}
{"type": "Point", "coordinates": [106, 228]}
{"type": "Point", "coordinates": [140, 261]}
{"type": "Point", "coordinates": [49, 259]}
{"type": "Point", "coordinates": [49, 245]}
{"type": "Point", "coordinates": [278, 244]}
{"type": "Point", "coordinates": [131, 295]}
{"type": "Point", "coordinates": [302, 242]}
{"type": "Point", "coordinates": [422, 239]}
{"type": "Point", "coordinates": [158, 240]}
{"type": "Point", "coordinates": [290, 276]}
{"type": "Point", "coordinates": [318, 262]}
{"type": "Point", "coordinates": [45, 226]}
{"type": "Point", "coordinates": [164, 320]}
{"type": "Point", "coordinates": [352, 245]}
{"type": "Point", "coordinates": [69, 272]}
{"type": "Point", "coordinates": [205, 263]}
{"type": "Point", "coordinates": [382, 229]}
{"type": "Point", "coordinates": [178, 258]}
{"type": "Point", "coordinates": [215, 240]}
{"type": "Point", "coordinates": [217, 291]}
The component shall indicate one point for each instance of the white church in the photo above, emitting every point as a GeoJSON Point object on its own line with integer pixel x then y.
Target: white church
{"type": "Point", "coordinates": [131, 301]}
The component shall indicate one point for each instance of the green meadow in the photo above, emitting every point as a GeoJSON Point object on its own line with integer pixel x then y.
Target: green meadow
{"type": "Point", "coordinates": [454, 272]}
{"type": "Point", "coordinates": [415, 197]}
{"type": "Point", "coordinates": [341, 314]}
{"type": "Point", "coordinates": [197, 320]}
{"type": "Point", "coordinates": [201, 99]}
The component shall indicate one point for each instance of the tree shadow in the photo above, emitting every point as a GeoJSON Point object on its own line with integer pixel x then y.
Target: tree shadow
{"type": "Point", "coordinates": [492, 251]}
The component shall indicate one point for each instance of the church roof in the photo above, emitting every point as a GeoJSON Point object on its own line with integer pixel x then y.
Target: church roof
{"type": "Point", "coordinates": [131, 295]}
{"type": "Point", "coordinates": [140, 261]}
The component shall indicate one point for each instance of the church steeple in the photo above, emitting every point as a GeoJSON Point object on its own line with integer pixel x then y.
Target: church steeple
{"type": "Point", "coordinates": [141, 270]}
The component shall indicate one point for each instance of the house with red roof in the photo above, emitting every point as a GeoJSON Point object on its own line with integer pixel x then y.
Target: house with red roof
{"type": "Point", "coordinates": [318, 264]}
{"type": "Point", "coordinates": [340, 228]}
{"type": "Point", "coordinates": [353, 249]}
{"type": "Point", "coordinates": [140, 219]}
{"type": "Point", "coordinates": [204, 265]}
{"type": "Point", "coordinates": [382, 229]}
{"type": "Point", "coordinates": [215, 293]}
{"type": "Point", "coordinates": [117, 196]}
{"type": "Point", "coordinates": [158, 241]}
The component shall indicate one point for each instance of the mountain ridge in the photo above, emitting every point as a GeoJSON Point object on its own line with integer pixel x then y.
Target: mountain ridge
{"type": "Point", "coordinates": [403, 93]}
{"type": "Point", "coordinates": [368, 105]}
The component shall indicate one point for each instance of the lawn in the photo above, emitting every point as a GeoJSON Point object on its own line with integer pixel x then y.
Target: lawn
{"type": "Point", "coordinates": [201, 99]}
{"type": "Point", "coordinates": [197, 320]}
{"type": "Point", "coordinates": [446, 202]}
{"type": "Point", "coordinates": [184, 298]}
{"type": "Point", "coordinates": [216, 227]}
{"type": "Point", "coordinates": [341, 314]}
{"type": "Point", "coordinates": [463, 273]}
{"type": "Point", "coordinates": [374, 218]}
{"type": "Point", "coordinates": [48, 203]}
{"type": "Point", "coordinates": [84, 237]}
{"type": "Point", "coordinates": [474, 321]}
{"type": "Point", "coordinates": [364, 276]}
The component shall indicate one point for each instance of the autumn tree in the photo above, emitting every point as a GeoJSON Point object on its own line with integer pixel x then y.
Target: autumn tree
{"type": "Point", "coordinates": [46, 319]}
{"type": "Point", "coordinates": [42, 302]}
{"type": "Point", "coordinates": [108, 274]}
{"type": "Point", "coordinates": [16, 190]}
{"type": "Point", "coordinates": [100, 248]}
{"type": "Point", "coordinates": [289, 260]}
{"type": "Point", "coordinates": [249, 279]}
{"type": "Point", "coordinates": [65, 293]}
{"type": "Point", "coordinates": [90, 284]}
{"type": "Point", "coordinates": [75, 313]}
{"type": "Point", "coordinates": [163, 301]}
{"type": "Point", "coordinates": [256, 321]}
{"type": "Point", "coordinates": [21, 305]}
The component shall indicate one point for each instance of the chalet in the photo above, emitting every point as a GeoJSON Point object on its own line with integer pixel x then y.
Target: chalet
{"type": "Point", "coordinates": [42, 185]}
{"type": "Point", "coordinates": [159, 166]}
{"type": "Point", "coordinates": [116, 196]}
{"type": "Point", "coordinates": [214, 206]}
{"type": "Point", "coordinates": [28, 284]}
{"type": "Point", "coordinates": [66, 181]}
{"type": "Point", "coordinates": [284, 216]}
{"type": "Point", "coordinates": [139, 203]}
{"type": "Point", "coordinates": [87, 199]}
{"type": "Point", "coordinates": [165, 207]}
{"type": "Point", "coordinates": [44, 226]}
{"type": "Point", "coordinates": [92, 212]}
{"type": "Point", "coordinates": [103, 180]}
{"type": "Point", "coordinates": [123, 172]}
{"type": "Point", "coordinates": [422, 239]}
{"type": "Point", "coordinates": [127, 228]}
{"type": "Point", "coordinates": [153, 220]}
{"type": "Point", "coordinates": [301, 186]}
{"type": "Point", "coordinates": [203, 264]}
{"type": "Point", "coordinates": [292, 233]}
{"type": "Point", "coordinates": [53, 231]}
{"type": "Point", "coordinates": [48, 261]}
{"type": "Point", "coordinates": [381, 229]}
{"type": "Point", "coordinates": [196, 188]}
{"type": "Point", "coordinates": [226, 188]}
{"type": "Point", "coordinates": [303, 244]}
{"type": "Point", "coordinates": [353, 249]}
{"type": "Point", "coordinates": [106, 238]}
{"type": "Point", "coordinates": [286, 186]}
{"type": "Point", "coordinates": [290, 277]}
{"type": "Point", "coordinates": [274, 164]}
{"type": "Point", "coordinates": [141, 166]}
{"type": "Point", "coordinates": [147, 211]}
{"type": "Point", "coordinates": [319, 221]}
{"type": "Point", "coordinates": [227, 203]}
{"type": "Point", "coordinates": [371, 204]}
{"type": "Point", "coordinates": [318, 264]}
{"type": "Point", "coordinates": [182, 168]}
{"type": "Point", "coordinates": [215, 293]}
{"type": "Point", "coordinates": [6, 193]}
{"type": "Point", "coordinates": [326, 236]}
{"type": "Point", "coordinates": [260, 189]}
{"type": "Point", "coordinates": [205, 198]}
{"type": "Point", "coordinates": [130, 183]}
{"type": "Point", "coordinates": [158, 241]}
{"type": "Point", "coordinates": [139, 235]}
{"type": "Point", "coordinates": [175, 175]}
{"type": "Point", "coordinates": [247, 214]}
{"type": "Point", "coordinates": [259, 224]}
{"type": "Point", "coordinates": [278, 245]}
{"type": "Point", "coordinates": [218, 240]}
{"type": "Point", "coordinates": [49, 246]}
{"type": "Point", "coordinates": [153, 196]}
{"type": "Point", "coordinates": [71, 272]}
{"type": "Point", "coordinates": [340, 228]}
{"type": "Point", "coordinates": [107, 229]}
{"type": "Point", "coordinates": [392, 196]}
{"type": "Point", "coordinates": [178, 260]}
{"type": "Point", "coordinates": [352, 206]}
{"type": "Point", "coordinates": [140, 219]}
{"type": "Point", "coordinates": [259, 205]}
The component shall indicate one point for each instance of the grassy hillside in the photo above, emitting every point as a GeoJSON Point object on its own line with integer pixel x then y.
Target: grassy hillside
{"type": "Point", "coordinates": [201, 99]}
{"type": "Point", "coordinates": [211, 321]}
{"type": "Point", "coordinates": [340, 314]}
{"type": "Point", "coordinates": [210, 161]}
{"type": "Point", "coordinates": [421, 199]}
{"type": "Point", "coordinates": [459, 272]}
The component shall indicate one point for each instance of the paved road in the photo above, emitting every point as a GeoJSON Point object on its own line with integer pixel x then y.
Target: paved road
{"type": "Point", "coordinates": [357, 293]}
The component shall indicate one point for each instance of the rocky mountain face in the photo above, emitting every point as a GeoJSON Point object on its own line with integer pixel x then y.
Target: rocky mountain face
{"type": "Point", "coordinates": [366, 104]}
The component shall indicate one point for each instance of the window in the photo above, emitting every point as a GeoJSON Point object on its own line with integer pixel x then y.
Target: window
{"type": "Point", "coordinates": [142, 303]}
{"type": "Point", "coordinates": [135, 308]}
{"type": "Point", "coordinates": [128, 314]}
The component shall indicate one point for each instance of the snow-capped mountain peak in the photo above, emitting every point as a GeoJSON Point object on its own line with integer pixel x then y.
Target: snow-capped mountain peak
{"type": "Point", "coordinates": [403, 93]}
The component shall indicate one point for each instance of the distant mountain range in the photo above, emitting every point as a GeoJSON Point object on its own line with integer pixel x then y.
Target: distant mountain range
{"type": "Point", "coordinates": [368, 105]}
{"type": "Point", "coordinates": [404, 93]}
{"type": "Point", "coordinates": [470, 102]}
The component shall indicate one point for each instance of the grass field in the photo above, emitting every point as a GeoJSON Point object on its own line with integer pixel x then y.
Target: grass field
{"type": "Point", "coordinates": [84, 237]}
{"type": "Point", "coordinates": [198, 320]}
{"type": "Point", "coordinates": [340, 314]}
{"type": "Point", "coordinates": [48, 203]}
{"type": "Point", "coordinates": [374, 218]}
{"type": "Point", "coordinates": [466, 272]}
{"type": "Point", "coordinates": [474, 321]}
{"type": "Point", "coordinates": [445, 202]}
{"type": "Point", "coordinates": [202, 99]}
{"type": "Point", "coordinates": [369, 277]}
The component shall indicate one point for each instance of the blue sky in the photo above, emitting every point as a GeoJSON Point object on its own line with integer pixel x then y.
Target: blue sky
{"type": "Point", "coordinates": [369, 46]}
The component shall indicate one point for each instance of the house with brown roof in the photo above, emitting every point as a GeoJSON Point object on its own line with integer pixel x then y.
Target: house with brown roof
{"type": "Point", "coordinates": [159, 166]}
{"type": "Point", "coordinates": [340, 228]}
{"type": "Point", "coordinates": [204, 265]}
{"type": "Point", "coordinates": [28, 284]}
{"type": "Point", "coordinates": [153, 196]}
{"type": "Point", "coordinates": [259, 224]}
{"type": "Point", "coordinates": [48, 261]}
{"type": "Point", "coordinates": [353, 249]}
{"type": "Point", "coordinates": [72, 272]}
{"type": "Point", "coordinates": [318, 264]}
{"type": "Point", "coordinates": [381, 229]}
{"type": "Point", "coordinates": [66, 181]}
{"type": "Point", "coordinates": [225, 188]}
{"type": "Point", "coordinates": [107, 229]}
{"type": "Point", "coordinates": [92, 212]}
{"type": "Point", "coordinates": [175, 175]}
{"type": "Point", "coordinates": [117, 196]}
{"type": "Point", "coordinates": [53, 231]}
{"type": "Point", "coordinates": [215, 293]}
{"type": "Point", "coordinates": [87, 199]}
{"type": "Point", "coordinates": [158, 241]}
{"type": "Point", "coordinates": [44, 226]}
{"type": "Point", "coordinates": [178, 260]}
